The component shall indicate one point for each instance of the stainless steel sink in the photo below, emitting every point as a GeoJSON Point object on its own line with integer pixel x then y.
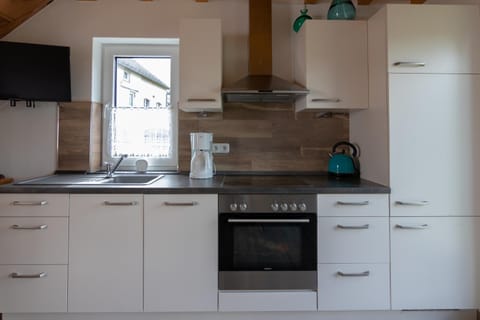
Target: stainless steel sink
{"type": "Point", "coordinates": [130, 179]}
{"type": "Point", "coordinates": [93, 179]}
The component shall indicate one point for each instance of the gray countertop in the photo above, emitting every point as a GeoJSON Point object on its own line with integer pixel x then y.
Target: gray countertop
{"type": "Point", "coordinates": [221, 183]}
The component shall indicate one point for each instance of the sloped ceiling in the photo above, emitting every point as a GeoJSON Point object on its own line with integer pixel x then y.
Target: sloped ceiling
{"type": "Point", "coordinates": [14, 12]}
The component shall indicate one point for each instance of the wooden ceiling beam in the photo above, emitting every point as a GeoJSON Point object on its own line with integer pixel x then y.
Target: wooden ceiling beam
{"type": "Point", "coordinates": [35, 6]}
{"type": "Point", "coordinates": [417, 1]}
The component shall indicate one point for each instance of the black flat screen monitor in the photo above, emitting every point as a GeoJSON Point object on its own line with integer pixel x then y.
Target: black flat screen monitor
{"type": "Point", "coordinates": [34, 72]}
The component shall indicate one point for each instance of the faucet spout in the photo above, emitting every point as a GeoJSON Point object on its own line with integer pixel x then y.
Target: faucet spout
{"type": "Point", "coordinates": [111, 170]}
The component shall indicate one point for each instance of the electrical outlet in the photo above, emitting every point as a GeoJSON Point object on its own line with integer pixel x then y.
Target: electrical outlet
{"type": "Point", "coordinates": [221, 148]}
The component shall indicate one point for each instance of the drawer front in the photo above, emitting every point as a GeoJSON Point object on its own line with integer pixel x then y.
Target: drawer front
{"type": "Point", "coordinates": [25, 240]}
{"type": "Point", "coordinates": [353, 287]}
{"type": "Point", "coordinates": [233, 301]}
{"type": "Point", "coordinates": [352, 205]}
{"type": "Point", "coordinates": [36, 294]}
{"type": "Point", "coordinates": [353, 240]}
{"type": "Point", "coordinates": [33, 205]}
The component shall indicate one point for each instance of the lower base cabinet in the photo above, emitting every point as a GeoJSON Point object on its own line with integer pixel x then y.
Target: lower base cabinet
{"type": "Point", "coordinates": [181, 268]}
{"type": "Point", "coordinates": [354, 286]}
{"type": "Point", "coordinates": [105, 258]}
{"type": "Point", "coordinates": [435, 262]}
{"type": "Point", "coordinates": [33, 288]}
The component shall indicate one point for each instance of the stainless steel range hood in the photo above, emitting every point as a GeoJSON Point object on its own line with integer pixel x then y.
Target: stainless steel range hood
{"type": "Point", "coordinates": [263, 88]}
{"type": "Point", "coordinates": [260, 85]}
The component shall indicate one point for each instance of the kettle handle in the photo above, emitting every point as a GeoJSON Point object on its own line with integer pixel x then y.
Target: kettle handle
{"type": "Point", "coordinates": [355, 151]}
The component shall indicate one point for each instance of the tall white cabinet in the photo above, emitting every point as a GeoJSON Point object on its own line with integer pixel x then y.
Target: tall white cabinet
{"type": "Point", "coordinates": [419, 137]}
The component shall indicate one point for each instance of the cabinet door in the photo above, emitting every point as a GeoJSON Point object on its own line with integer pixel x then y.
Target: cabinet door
{"type": "Point", "coordinates": [181, 268]}
{"type": "Point", "coordinates": [335, 65]}
{"type": "Point", "coordinates": [200, 65]}
{"type": "Point", "coordinates": [105, 258]}
{"type": "Point", "coordinates": [435, 263]}
{"type": "Point", "coordinates": [434, 150]}
{"type": "Point", "coordinates": [442, 37]}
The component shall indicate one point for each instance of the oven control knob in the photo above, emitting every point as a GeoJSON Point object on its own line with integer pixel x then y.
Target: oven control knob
{"type": "Point", "coordinates": [233, 206]}
{"type": "Point", "coordinates": [243, 206]}
{"type": "Point", "coordinates": [284, 207]}
{"type": "Point", "coordinates": [302, 206]}
{"type": "Point", "coordinates": [274, 206]}
{"type": "Point", "coordinates": [293, 206]}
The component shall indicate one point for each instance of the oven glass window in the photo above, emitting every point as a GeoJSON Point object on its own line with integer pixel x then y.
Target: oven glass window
{"type": "Point", "coordinates": [267, 247]}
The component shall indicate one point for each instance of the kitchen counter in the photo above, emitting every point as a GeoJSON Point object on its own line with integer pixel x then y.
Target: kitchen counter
{"type": "Point", "coordinates": [221, 183]}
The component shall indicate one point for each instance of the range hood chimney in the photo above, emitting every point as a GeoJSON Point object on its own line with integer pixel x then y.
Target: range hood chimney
{"type": "Point", "coordinates": [260, 85]}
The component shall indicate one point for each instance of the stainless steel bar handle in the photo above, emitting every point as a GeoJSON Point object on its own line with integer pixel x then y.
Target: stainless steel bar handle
{"type": "Point", "coordinates": [181, 204]}
{"type": "Point", "coordinates": [113, 203]}
{"type": "Point", "coordinates": [363, 227]}
{"type": "Point", "coordinates": [411, 227]}
{"type": "Point", "coordinates": [353, 203]}
{"type": "Point", "coordinates": [30, 203]}
{"type": "Point", "coordinates": [412, 203]}
{"type": "Point", "coordinates": [360, 274]}
{"type": "Point", "coordinates": [409, 64]}
{"type": "Point", "coordinates": [336, 100]}
{"type": "Point", "coordinates": [201, 100]}
{"type": "Point", "coordinates": [18, 227]}
{"type": "Point", "coordinates": [268, 220]}
{"type": "Point", "coordinates": [16, 275]}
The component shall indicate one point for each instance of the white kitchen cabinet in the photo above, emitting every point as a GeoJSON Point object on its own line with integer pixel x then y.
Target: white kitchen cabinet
{"type": "Point", "coordinates": [200, 65]}
{"type": "Point", "coordinates": [33, 288]}
{"type": "Point", "coordinates": [353, 252]}
{"type": "Point", "coordinates": [181, 252]}
{"type": "Point", "coordinates": [353, 240]}
{"type": "Point", "coordinates": [435, 262]}
{"type": "Point", "coordinates": [353, 287]}
{"type": "Point", "coordinates": [434, 151]}
{"type": "Point", "coordinates": [436, 39]}
{"type": "Point", "coordinates": [419, 137]}
{"type": "Point", "coordinates": [331, 61]}
{"type": "Point", "coordinates": [106, 253]}
{"type": "Point", "coordinates": [33, 252]}
{"type": "Point", "coordinates": [33, 205]}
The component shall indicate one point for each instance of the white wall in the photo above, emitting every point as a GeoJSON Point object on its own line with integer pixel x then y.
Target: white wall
{"type": "Point", "coordinates": [74, 23]}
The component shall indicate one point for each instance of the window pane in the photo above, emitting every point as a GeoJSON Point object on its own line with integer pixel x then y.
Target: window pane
{"type": "Point", "coordinates": [141, 120]}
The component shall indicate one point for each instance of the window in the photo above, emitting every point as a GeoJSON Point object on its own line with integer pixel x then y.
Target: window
{"type": "Point", "coordinates": [132, 125]}
{"type": "Point", "coordinates": [126, 76]}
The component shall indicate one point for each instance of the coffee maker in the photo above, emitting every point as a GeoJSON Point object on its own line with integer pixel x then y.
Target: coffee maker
{"type": "Point", "coordinates": [201, 164]}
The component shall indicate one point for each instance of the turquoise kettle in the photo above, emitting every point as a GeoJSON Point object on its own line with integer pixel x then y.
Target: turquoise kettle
{"type": "Point", "coordinates": [343, 164]}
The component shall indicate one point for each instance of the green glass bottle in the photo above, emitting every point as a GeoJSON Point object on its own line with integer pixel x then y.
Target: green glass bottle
{"type": "Point", "coordinates": [341, 10]}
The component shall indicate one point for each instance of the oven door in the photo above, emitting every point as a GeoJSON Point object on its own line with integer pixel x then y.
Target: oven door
{"type": "Point", "coordinates": [267, 251]}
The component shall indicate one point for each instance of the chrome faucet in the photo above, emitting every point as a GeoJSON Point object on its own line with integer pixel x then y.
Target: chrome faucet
{"type": "Point", "coordinates": [111, 170]}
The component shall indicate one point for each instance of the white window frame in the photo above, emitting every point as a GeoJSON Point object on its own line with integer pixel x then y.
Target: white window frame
{"type": "Point", "coordinates": [158, 48]}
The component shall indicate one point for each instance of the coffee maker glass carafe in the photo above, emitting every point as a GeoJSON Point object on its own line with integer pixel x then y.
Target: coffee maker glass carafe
{"type": "Point", "coordinates": [201, 164]}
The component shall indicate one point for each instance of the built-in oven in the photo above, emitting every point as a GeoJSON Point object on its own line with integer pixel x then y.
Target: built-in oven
{"type": "Point", "coordinates": [267, 242]}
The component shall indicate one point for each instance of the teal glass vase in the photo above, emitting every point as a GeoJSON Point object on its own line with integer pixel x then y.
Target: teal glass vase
{"type": "Point", "coordinates": [341, 10]}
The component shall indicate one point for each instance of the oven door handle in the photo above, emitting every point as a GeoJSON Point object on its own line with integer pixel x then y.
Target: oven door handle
{"type": "Point", "coordinates": [268, 220]}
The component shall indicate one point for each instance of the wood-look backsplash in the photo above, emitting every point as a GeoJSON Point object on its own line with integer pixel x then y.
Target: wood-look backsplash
{"type": "Point", "coordinates": [261, 138]}
{"type": "Point", "coordinates": [266, 138]}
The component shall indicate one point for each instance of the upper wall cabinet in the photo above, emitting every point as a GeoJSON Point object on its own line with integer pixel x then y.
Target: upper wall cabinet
{"type": "Point", "coordinates": [200, 65]}
{"type": "Point", "coordinates": [433, 39]}
{"type": "Point", "coordinates": [331, 61]}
